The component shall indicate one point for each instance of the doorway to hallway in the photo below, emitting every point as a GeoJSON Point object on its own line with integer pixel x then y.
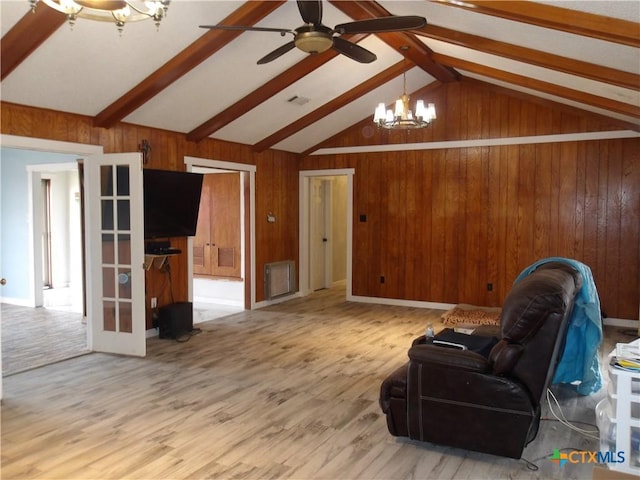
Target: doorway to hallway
{"type": "Point", "coordinates": [326, 213]}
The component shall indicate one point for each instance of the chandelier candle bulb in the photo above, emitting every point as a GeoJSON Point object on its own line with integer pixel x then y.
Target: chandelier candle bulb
{"type": "Point", "coordinates": [399, 108]}
{"type": "Point", "coordinates": [380, 113]}
{"type": "Point", "coordinates": [389, 117]}
{"type": "Point", "coordinates": [431, 112]}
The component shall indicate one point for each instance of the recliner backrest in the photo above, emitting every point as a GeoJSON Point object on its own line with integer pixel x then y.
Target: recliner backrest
{"type": "Point", "coordinates": [533, 323]}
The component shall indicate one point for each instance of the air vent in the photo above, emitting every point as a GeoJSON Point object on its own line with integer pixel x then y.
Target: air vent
{"type": "Point", "coordinates": [298, 100]}
{"type": "Point", "coordinates": [279, 279]}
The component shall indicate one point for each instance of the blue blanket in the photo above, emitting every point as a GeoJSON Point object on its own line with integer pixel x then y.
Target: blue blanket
{"type": "Point", "coordinates": [579, 362]}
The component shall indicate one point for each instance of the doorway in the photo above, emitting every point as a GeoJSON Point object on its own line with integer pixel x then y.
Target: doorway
{"type": "Point", "coordinates": [43, 320]}
{"type": "Point", "coordinates": [221, 273]}
{"type": "Point", "coordinates": [326, 212]}
{"type": "Point", "coordinates": [218, 284]}
{"type": "Point", "coordinates": [57, 238]}
{"type": "Point", "coordinates": [18, 264]}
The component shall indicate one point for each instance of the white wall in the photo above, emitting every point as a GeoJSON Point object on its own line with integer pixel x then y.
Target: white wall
{"type": "Point", "coordinates": [15, 222]}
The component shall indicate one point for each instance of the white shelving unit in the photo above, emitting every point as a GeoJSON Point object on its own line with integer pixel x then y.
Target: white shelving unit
{"type": "Point", "coordinates": [618, 418]}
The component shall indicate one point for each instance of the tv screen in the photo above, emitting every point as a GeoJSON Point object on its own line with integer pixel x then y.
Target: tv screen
{"type": "Point", "coordinates": [171, 203]}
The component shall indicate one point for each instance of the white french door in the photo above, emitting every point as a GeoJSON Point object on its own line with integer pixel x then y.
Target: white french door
{"type": "Point", "coordinates": [115, 253]}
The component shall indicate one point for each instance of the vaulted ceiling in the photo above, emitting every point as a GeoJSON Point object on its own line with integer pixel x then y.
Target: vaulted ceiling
{"type": "Point", "coordinates": [206, 83]}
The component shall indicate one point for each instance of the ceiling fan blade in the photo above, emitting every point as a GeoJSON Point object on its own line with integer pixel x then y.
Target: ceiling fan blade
{"type": "Point", "coordinates": [382, 24]}
{"type": "Point", "coordinates": [276, 53]}
{"type": "Point", "coordinates": [353, 51]}
{"type": "Point", "coordinates": [310, 11]}
{"type": "Point", "coordinates": [282, 31]}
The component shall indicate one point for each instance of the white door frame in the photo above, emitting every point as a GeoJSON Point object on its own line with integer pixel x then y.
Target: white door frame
{"type": "Point", "coordinates": [193, 163]}
{"type": "Point", "coordinates": [304, 202]}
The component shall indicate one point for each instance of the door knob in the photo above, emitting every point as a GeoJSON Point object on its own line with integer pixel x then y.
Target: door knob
{"type": "Point", "coordinates": [3, 281]}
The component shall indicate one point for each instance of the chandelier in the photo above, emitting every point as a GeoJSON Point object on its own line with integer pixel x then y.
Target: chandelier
{"type": "Point", "coordinates": [117, 11]}
{"type": "Point", "coordinates": [402, 116]}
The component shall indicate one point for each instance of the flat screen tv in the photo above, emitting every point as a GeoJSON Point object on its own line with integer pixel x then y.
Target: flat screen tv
{"type": "Point", "coordinates": [171, 203]}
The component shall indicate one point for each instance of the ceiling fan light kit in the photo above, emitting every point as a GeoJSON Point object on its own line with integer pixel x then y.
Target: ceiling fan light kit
{"type": "Point", "coordinates": [119, 12]}
{"type": "Point", "coordinates": [313, 41]}
{"type": "Point", "coordinates": [313, 37]}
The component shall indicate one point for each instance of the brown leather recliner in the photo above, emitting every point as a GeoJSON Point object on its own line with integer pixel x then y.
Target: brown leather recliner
{"type": "Point", "coordinates": [462, 399]}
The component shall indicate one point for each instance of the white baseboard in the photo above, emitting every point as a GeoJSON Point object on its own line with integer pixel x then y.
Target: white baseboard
{"type": "Point", "coordinates": [620, 322]}
{"type": "Point", "coordinates": [614, 322]}
{"type": "Point", "coordinates": [401, 303]}
{"type": "Point", "coordinates": [21, 302]}
{"type": "Point", "coordinates": [152, 332]}
{"type": "Point", "coordinates": [218, 301]}
{"type": "Point", "coordinates": [275, 301]}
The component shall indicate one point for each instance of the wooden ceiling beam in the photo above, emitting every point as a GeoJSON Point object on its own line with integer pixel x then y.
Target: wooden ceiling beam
{"type": "Point", "coordinates": [571, 66]}
{"type": "Point", "coordinates": [417, 52]}
{"type": "Point", "coordinates": [27, 35]}
{"type": "Point", "coordinates": [266, 91]}
{"type": "Point", "coordinates": [248, 14]}
{"type": "Point", "coordinates": [338, 102]}
{"type": "Point", "coordinates": [541, 86]}
{"type": "Point", "coordinates": [571, 21]}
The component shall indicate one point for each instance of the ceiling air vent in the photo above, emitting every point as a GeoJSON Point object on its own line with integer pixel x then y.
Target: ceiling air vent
{"type": "Point", "coordinates": [298, 100]}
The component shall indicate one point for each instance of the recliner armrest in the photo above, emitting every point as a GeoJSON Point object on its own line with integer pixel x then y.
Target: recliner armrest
{"type": "Point", "coordinates": [450, 357]}
{"type": "Point", "coordinates": [395, 385]}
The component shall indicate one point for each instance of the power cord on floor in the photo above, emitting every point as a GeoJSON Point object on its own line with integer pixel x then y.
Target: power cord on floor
{"type": "Point", "coordinates": [531, 465]}
{"type": "Point", "coordinates": [593, 434]}
{"type": "Point", "coordinates": [560, 417]}
{"type": "Point", "coordinates": [167, 268]}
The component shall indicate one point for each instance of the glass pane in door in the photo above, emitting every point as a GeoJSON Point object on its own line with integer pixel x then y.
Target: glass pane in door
{"type": "Point", "coordinates": [109, 315]}
{"type": "Point", "coordinates": [126, 317]}
{"type": "Point", "coordinates": [116, 248]}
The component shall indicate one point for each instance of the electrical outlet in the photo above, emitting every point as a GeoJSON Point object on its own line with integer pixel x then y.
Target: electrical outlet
{"type": "Point", "coordinates": [154, 302]}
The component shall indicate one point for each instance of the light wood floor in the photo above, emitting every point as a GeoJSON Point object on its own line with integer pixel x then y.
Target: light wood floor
{"type": "Point", "coordinates": [33, 337]}
{"type": "Point", "coordinates": [289, 391]}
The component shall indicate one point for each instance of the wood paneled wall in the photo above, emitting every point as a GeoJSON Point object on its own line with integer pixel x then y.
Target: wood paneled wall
{"type": "Point", "coordinates": [442, 224]}
{"type": "Point", "coordinates": [276, 180]}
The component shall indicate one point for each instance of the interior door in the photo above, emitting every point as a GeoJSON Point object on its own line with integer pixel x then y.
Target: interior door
{"type": "Point", "coordinates": [115, 253]}
{"type": "Point", "coordinates": [318, 234]}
